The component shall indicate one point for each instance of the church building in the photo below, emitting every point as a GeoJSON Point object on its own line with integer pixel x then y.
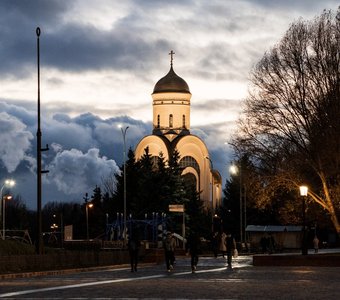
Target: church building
{"type": "Point", "coordinates": [171, 130]}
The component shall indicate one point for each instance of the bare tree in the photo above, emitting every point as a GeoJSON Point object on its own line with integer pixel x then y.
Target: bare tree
{"type": "Point", "coordinates": [109, 184]}
{"type": "Point", "coordinates": [291, 121]}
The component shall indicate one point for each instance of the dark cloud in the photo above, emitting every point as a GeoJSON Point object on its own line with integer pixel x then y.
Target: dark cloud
{"type": "Point", "coordinates": [44, 10]}
{"type": "Point", "coordinates": [305, 5]}
{"type": "Point", "coordinates": [18, 22]}
{"type": "Point", "coordinates": [135, 41]}
{"type": "Point", "coordinates": [66, 45]}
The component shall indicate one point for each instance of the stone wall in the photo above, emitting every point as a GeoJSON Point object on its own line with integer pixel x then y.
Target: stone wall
{"type": "Point", "coordinates": [62, 260]}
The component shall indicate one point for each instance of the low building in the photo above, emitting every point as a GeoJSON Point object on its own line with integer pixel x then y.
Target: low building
{"type": "Point", "coordinates": [285, 237]}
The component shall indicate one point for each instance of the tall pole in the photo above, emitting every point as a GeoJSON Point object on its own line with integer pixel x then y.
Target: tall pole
{"type": "Point", "coordinates": [39, 243]}
{"type": "Point", "coordinates": [1, 211]}
{"type": "Point", "coordinates": [87, 206]}
{"type": "Point", "coordinates": [10, 183]}
{"type": "Point", "coordinates": [304, 248]}
{"type": "Point", "coordinates": [245, 213]}
{"type": "Point", "coordinates": [236, 170]}
{"type": "Point", "coordinates": [87, 221]}
{"type": "Point", "coordinates": [303, 194]}
{"type": "Point", "coordinates": [212, 187]}
{"type": "Point", "coordinates": [3, 218]}
{"type": "Point", "coordinates": [124, 170]}
{"type": "Point", "coordinates": [241, 207]}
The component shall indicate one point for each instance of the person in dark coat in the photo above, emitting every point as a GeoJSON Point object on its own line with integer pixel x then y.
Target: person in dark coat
{"type": "Point", "coordinates": [133, 246]}
{"type": "Point", "coordinates": [215, 243]}
{"type": "Point", "coordinates": [169, 245]}
{"type": "Point", "coordinates": [194, 248]}
{"type": "Point", "coordinates": [231, 246]}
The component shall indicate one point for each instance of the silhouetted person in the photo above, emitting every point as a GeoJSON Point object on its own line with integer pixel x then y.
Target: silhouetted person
{"type": "Point", "coordinates": [215, 243]}
{"type": "Point", "coordinates": [194, 248]}
{"type": "Point", "coordinates": [169, 251]}
{"type": "Point", "coordinates": [133, 246]}
{"type": "Point", "coordinates": [316, 244]}
{"type": "Point", "coordinates": [271, 244]}
{"type": "Point", "coordinates": [231, 246]}
{"type": "Point", "coordinates": [222, 246]}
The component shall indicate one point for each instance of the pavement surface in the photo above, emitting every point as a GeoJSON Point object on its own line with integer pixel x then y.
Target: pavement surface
{"type": "Point", "coordinates": [212, 280]}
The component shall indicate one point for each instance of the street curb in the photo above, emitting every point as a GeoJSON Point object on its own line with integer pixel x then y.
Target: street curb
{"type": "Point", "coordinates": [66, 271]}
{"type": "Point", "coordinates": [314, 260]}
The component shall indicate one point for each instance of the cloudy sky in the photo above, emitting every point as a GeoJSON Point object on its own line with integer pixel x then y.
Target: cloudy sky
{"type": "Point", "coordinates": [100, 60]}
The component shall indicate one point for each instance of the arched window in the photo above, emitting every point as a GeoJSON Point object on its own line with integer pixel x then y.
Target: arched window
{"type": "Point", "coordinates": [190, 180]}
{"type": "Point", "coordinates": [183, 121]}
{"type": "Point", "coordinates": [171, 120]}
{"type": "Point", "coordinates": [188, 161]}
{"type": "Point", "coordinates": [158, 121]}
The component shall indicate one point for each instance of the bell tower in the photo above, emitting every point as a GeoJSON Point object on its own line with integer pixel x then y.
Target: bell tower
{"type": "Point", "coordinates": [171, 105]}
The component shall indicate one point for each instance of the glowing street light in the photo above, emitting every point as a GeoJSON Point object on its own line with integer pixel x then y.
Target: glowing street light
{"type": "Point", "coordinates": [304, 194]}
{"type": "Point", "coordinates": [8, 183]}
{"type": "Point", "coordinates": [87, 206]}
{"type": "Point", "coordinates": [235, 170]}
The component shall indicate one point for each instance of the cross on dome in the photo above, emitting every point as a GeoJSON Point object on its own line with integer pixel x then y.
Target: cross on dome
{"type": "Point", "coordinates": [171, 53]}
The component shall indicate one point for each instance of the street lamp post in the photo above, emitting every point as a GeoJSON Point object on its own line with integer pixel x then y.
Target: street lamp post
{"type": "Point", "coordinates": [237, 170]}
{"type": "Point", "coordinates": [212, 186]}
{"type": "Point", "coordinates": [87, 206]}
{"type": "Point", "coordinates": [303, 194]}
{"type": "Point", "coordinates": [9, 183]}
{"type": "Point", "coordinates": [124, 170]}
{"type": "Point", "coordinates": [39, 243]}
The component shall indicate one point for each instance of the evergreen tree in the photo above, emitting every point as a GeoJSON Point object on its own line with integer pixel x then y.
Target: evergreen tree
{"type": "Point", "coordinates": [96, 214]}
{"type": "Point", "coordinates": [147, 189]}
{"type": "Point", "coordinates": [197, 219]}
{"type": "Point", "coordinates": [132, 173]}
{"type": "Point", "coordinates": [176, 181]}
{"type": "Point", "coordinates": [96, 198]}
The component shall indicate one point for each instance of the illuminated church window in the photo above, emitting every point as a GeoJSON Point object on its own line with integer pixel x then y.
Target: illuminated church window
{"type": "Point", "coordinates": [188, 161]}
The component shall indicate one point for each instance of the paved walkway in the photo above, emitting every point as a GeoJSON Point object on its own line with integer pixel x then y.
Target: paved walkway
{"type": "Point", "coordinates": [211, 281]}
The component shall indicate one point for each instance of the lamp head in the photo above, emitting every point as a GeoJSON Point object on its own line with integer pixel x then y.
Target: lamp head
{"type": "Point", "coordinates": [303, 190]}
{"type": "Point", "coordinates": [9, 182]}
{"type": "Point", "coordinates": [233, 169]}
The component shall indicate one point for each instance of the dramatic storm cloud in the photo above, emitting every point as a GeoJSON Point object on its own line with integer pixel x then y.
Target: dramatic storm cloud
{"type": "Point", "coordinates": [15, 141]}
{"type": "Point", "coordinates": [73, 171]}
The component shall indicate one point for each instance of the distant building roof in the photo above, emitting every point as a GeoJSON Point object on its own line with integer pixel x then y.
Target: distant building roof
{"type": "Point", "coordinates": [272, 228]}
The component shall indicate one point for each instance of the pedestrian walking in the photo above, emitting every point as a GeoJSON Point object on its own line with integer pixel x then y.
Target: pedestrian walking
{"type": "Point", "coordinates": [133, 246]}
{"type": "Point", "coordinates": [231, 248]}
{"type": "Point", "coordinates": [215, 243]}
{"type": "Point", "coordinates": [271, 244]}
{"type": "Point", "coordinates": [169, 251]}
{"type": "Point", "coordinates": [194, 248]}
{"type": "Point", "coordinates": [316, 244]}
{"type": "Point", "coordinates": [223, 246]}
